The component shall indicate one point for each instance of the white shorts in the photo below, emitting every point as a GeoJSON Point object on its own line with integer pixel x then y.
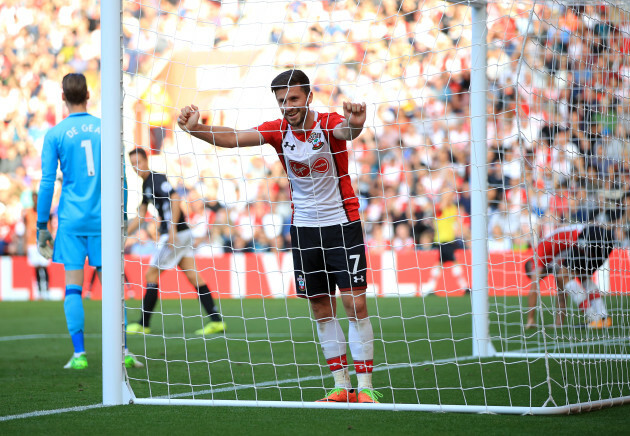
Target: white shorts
{"type": "Point", "coordinates": [168, 256]}
{"type": "Point", "coordinates": [34, 258]}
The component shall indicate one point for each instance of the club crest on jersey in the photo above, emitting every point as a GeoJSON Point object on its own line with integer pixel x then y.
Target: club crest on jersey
{"type": "Point", "coordinates": [299, 169]}
{"type": "Point", "coordinates": [301, 283]}
{"type": "Point", "coordinates": [321, 165]}
{"type": "Point", "coordinates": [315, 139]}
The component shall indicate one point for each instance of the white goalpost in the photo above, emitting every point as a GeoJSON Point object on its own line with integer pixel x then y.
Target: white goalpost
{"type": "Point", "coordinates": [490, 126]}
{"type": "Point", "coordinates": [112, 190]}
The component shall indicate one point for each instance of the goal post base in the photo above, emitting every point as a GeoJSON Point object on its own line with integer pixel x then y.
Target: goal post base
{"type": "Point", "coordinates": [585, 356]}
{"type": "Point", "coordinates": [127, 394]}
{"type": "Point", "coordinates": [499, 410]}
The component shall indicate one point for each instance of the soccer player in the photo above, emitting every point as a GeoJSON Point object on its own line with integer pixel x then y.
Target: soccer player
{"type": "Point", "coordinates": [572, 254]}
{"type": "Point", "coordinates": [76, 143]}
{"type": "Point", "coordinates": [175, 246]}
{"type": "Point", "coordinates": [326, 232]}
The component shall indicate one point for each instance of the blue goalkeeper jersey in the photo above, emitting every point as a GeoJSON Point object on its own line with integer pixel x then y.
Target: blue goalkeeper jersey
{"type": "Point", "coordinates": [75, 143]}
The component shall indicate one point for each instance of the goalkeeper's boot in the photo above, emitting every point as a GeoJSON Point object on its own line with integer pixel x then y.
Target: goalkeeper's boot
{"type": "Point", "coordinates": [368, 396]}
{"type": "Point", "coordinates": [132, 361]}
{"type": "Point", "coordinates": [137, 328]}
{"type": "Point", "coordinates": [77, 362]}
{"type": "Point", "coordinates": [340, 395]}
{"type": "Point", "coordinates": [600, 323]}
{"type": "Point", "coordinates": [212, 328]}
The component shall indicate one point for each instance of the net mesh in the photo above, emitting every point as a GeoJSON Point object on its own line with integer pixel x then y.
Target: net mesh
{"type": "Point", "coordinates": [557, 155]}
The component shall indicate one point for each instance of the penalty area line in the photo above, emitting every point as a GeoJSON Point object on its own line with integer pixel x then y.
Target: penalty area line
{"type": "Point", "coordinates": [274, 383]}
{"type": "Point", "coordinates": [224, 389]}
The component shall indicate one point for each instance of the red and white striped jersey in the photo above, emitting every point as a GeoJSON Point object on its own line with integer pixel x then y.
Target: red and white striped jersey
{"type": "Point", "coordinates": [317, 166]}
{"type": "Point", "coordinates": [556, 242]}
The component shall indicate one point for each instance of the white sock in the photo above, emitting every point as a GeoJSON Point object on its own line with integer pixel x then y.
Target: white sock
{"type": "Point", "coordinates": [429, 288]}
{"type": "Point", "coordinates": [333, 343]}
{"type": "Point", "coordinates": [576, 292]}
{"type": "Point", "coordinates": [361, 339]}
{"type": "Point", "coordinates": [342, 378]}
{"type": "Point", "coordinates": [597, 308]}
{"type": "Point", "coordinates": [458, 272]}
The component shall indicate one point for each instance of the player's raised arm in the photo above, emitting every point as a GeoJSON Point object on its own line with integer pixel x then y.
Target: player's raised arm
{"type": "Point", "coordinates": [352, 126]}
{"type": "Point", "coordinates": [225, 137]}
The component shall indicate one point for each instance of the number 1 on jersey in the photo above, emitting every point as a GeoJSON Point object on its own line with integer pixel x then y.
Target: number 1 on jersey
{"type": "Point", "coordinates": [89, 156]}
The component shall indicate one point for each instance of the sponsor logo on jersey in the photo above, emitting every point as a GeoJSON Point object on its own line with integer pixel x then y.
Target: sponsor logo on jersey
{"type": "Point", "coordinates": [287, 144]}
{"type": "Point", "coordinates": [315, 139]}
{"type": "Point", "coordinates": [299, 169]}
{"type": "Point", "coordinates": [321, 165]}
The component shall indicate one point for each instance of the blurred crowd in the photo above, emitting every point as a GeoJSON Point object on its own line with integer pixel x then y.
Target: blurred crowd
{"type": "Point", "coordinates": [557, 128]}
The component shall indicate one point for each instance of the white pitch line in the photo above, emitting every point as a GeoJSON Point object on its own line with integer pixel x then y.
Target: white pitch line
{"type": "Point", "coordinates": [228, 389]}
{"type": "Point", "coordinates": [376, 369]}
{"type": "Point", "coordinates": [228, 336]}
{"type": "Point", "coordinates": [51, 412]}
{"type": "Point", "coordinates": [275, 383]}
{"type": "Point", "coordinates": [43, 336]}
{"type": "Point", "coordinates": [313, 377]}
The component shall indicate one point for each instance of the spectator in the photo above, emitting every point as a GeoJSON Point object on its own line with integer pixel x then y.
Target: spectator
{"type": "Point", "coordinates": [566, 111]}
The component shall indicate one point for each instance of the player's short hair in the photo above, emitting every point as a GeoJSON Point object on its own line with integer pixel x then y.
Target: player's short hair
{"type": "Point", "coordinates": [291, 78]}
{"type": "Point", "coordinates": [75, 88]}
{"type": "Point", "coordinates": [139, 151]}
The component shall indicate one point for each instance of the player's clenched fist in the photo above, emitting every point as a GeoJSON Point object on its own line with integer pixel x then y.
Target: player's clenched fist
{"type": "Point", "coordinates": [188, 118]}
{"type": "Point", "coordinates": [354, 113]}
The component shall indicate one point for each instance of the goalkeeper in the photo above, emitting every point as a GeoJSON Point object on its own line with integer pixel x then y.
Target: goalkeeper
{"type": "Point", "coordinates": [76, 143]}
{"type": "Point", "coordinates": [326, 232]}
{"type": "Point", "coordinates": [572, 254]}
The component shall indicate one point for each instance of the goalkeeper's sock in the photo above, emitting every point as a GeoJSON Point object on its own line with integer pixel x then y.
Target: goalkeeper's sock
{"type": "Point", "coordinates": [333, 343]}
{"type": "Point", "coordinates": [75, 317]}
{"type": "Point", "coordinates": [361, 340]}
{"type": "Point", "coordinates": [148, 303]}
{"type": "Point", "coordinates": [205, 296]}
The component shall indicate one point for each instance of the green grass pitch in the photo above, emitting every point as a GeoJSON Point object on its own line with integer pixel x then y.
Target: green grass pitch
{"type": "Point", "coordinates": [271, 344]}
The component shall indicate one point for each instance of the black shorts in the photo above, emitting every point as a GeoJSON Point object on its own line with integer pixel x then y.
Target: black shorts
{"type": "Point", "coordinates": [328, 257]}
{"type": "Point", "coordinates": [447, 250]}
{"type": "Point", "coordinates": [594, 246]}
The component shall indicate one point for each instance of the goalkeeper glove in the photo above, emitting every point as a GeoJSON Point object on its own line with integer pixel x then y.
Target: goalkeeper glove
{"type": "Point", "coordinates": [44, 241]}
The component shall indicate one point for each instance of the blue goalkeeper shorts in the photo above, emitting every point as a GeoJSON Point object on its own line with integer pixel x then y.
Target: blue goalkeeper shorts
{"type": "Point", "coordinates": [71, 250]}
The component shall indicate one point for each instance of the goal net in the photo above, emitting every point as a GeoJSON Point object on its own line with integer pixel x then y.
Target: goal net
{"type": "Point", "coordinates": [490, 126]}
